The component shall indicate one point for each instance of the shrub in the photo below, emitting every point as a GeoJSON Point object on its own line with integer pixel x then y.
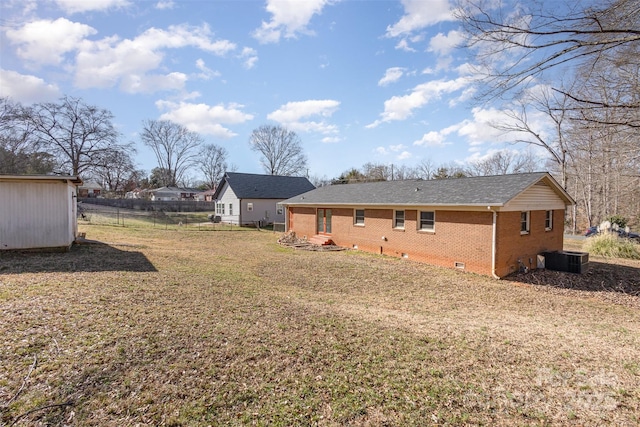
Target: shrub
{"type": "Point", "coordinates": [617, 219]}
{"type": "Point", "coordinates": [610, 245]}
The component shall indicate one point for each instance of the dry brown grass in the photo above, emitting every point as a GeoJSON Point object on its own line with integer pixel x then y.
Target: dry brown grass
{"type": "Point", "coordinates": [228, 328]}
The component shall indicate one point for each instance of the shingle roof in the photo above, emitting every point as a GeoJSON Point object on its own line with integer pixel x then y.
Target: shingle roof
{"type": "Point", "coordinates": [485, 190]}
{"type": "Point", "coordinates": [253, 186]}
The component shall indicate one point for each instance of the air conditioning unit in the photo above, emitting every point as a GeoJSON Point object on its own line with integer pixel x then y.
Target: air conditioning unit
{"type": "Point", "coordinates": [569, 261]}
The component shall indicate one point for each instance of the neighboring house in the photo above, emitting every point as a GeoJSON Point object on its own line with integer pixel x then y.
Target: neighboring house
{"type": "Point", "coordinates": [206, 196]}
{"type": "Point", "coordinates": [38, 211]}
{"type": "Point", "coordinates": [246, 199]}
{"type": "Point", "coordinates": [492, 225]}
{"type": "Point", "coordinates": [89, 189]}
{"type": "Point", "coordinates": [173, 194]}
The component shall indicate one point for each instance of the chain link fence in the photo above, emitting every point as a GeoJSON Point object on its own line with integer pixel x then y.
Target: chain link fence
{"type": "Point", "coordinates": [104, 215]}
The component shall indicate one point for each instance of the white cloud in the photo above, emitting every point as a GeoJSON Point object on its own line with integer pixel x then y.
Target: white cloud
{"type": "Point", "coordinates": [293, 114]}
{"type": "Point", "coordinates": [110, 61]}
{"type": "Point", "coordinates": [403, 44]}
{"type": "Point", "coordinates": [203, 118]}
{"type": "Point", "coordinates": [444, 44]}
{"type": "Point", "coordinates": [25, 88]}
{"type": "Point", "coordinates": [433, 139]}
{"type": "Point", "coordinates": [391, 75]}
{"type": "Point", "coordinates": [250, 57]}
{"type": "Point", "coordinates": [398, 147]}
{"type": "Point", "coordinates": [404, 155]}
{"type": "Point", "coordinates": [381, 150]}
{"type": "Point", "coordinates": [79, 6]}
{"type": "Point", "coordinates": [206, 73]}
{"type": "Point", "coordinates": [419, 14]}
{"type": "Point", "coordinates": [288, 19]}
{"type": "Point", "coordinates": [401, 107]}
{"type": "Point", "coordinates": [165, 4]}
{"type": "Point", "coordinates": [331, 140]}
{"type": "Point", "coordinates": [151, 83]}
{"type": "Point", "coordinates": [46, 42]}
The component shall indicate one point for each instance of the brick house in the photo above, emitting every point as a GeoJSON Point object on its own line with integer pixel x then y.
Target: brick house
{"type": "Point", "coordinates": [493, 225]}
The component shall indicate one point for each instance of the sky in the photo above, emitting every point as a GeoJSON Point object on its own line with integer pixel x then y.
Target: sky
{"type": "Point", "coordinates": [358, 81]}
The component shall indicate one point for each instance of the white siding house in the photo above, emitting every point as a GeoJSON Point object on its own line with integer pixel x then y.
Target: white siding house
{"type": "Point", "coordinates": [247, 199]}
{"type": "Point", "coordinates": [38, 211]}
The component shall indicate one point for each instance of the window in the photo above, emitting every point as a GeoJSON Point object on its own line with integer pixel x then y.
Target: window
{"type": "Point", "coordinates": [220, 208]}
{"type": "Point", "coordinates": [279, 209]}
{"type": "Point", "coordinates": [358, 217]}
{"type": "Point", "coordinates": [548, 220]}
{"type": "Point", "coordinates": [524, 222]}
{"type": "Point", "coordinates": [230, 208]}
{"type": "Point", "coordinates": [398, 221]}
{"type": "Point", "coordinates": [427, 220]}
{"type": "Point", "coordinates": [250, 207]}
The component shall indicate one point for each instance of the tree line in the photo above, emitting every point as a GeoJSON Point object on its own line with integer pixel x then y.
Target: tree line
{"type": "Point", "coordinates": [75, 138]}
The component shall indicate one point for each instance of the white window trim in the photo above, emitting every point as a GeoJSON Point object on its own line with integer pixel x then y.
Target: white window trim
{"type": "Point", "coordinates": [419, 223]}
{"type": "Point", "coordinates": [249, 207]}
{"type": "Point", "coordinates": [355, 216]}
{"type": "Point", "coordinates": [524, 232]}
{"type": "Point", "coordinates": [550, 218]}
{"type": "Point", "coordinates": [404, 219]}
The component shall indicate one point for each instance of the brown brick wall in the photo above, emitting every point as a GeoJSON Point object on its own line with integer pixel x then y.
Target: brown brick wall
{"type": "Point", "coordinates": [459, 236]}
{"type": "Point", "coordinates": [513, 246]}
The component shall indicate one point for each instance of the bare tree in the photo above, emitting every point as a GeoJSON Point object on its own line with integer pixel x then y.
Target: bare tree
{"type": "Point", "coordinates": [116, 168]}
{"type": "Point", "coordinates": [425, 169]}
{"type": "Point", "coordinates": [504, 162]}
{"type": "Point", "coordinates": [552, 105]}
{"type": "Point", "coordinates": [77, 134]}
{"type": "Point", "coordinates": [175, 147]}
{"type": "Point", "coordinates": [281, 150]}
{"type": "Point", "coordinates": [517, 45]}
{"type": "Point", "coordinates": [19, 151]}
{"type": "Point", "coordinates": [213, 164]}
{"type": "Point", "coordinates": [376, 172]}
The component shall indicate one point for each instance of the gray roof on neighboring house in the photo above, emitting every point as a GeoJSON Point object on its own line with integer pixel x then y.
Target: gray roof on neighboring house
{"type": "Point", "coordinates": [483, 190]}
{"type": "Point", "coordinates": [253, 186]}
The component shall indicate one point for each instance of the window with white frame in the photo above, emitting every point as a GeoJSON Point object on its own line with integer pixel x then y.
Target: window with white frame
{"type": "Point", "coordinates": [427, 220]}
{"type": "Point", "coordinates": [250, 207]}
{"type": "Point", "coordinates": [230, 208]}
{"type": "Point", "coordinates": [358, 217]}
{"type": "Point", "coordinates": [548, 220]}
{"type": "Point", "coordinates": [398, 219]}
{"type": "Point", "coordinates": [524, 222]}
{"type": "Point", "coordinates": [220, 208]}
{"type": "Point", "coordinates": [279, 209]}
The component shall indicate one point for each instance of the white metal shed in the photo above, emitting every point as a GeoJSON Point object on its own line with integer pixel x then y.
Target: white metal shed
{"type": "Point", "coordinates": [38, 211]}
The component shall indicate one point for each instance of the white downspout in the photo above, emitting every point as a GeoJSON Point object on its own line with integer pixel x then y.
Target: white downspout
{"type": "Point", "coordinates": [493, 243]}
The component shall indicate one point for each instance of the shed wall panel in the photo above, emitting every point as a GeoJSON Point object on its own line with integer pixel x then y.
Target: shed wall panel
{"type": "Point", "coordinates": [36, 215]}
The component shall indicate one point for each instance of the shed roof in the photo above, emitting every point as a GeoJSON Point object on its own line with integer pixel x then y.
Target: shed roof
{"type": "Point", "coordinates": [254, 186]}
{"type": "Point", "coordinates": [471, 191]}
{"type": "Point", "coordinates": [40, 178]}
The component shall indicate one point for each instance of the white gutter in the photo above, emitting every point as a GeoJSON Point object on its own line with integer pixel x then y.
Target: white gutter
{"type": "Point", "coordinates": [493, 243]}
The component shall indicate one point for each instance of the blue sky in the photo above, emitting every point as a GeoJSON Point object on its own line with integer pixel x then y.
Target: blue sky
{"type": "Point", "coordinates": [358, 81]}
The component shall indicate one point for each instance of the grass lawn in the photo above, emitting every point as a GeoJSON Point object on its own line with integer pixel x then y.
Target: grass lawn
{"type": "Point", "coordinates": [197, 328]}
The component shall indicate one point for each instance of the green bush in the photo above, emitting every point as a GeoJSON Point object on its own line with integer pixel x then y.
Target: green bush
{"type": "Point", "coordinates": [610, 245]}
{"type": "Point", "coordinates": [617, 219]}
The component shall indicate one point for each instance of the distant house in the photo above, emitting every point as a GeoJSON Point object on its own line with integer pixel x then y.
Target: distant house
{"type": "Point", "coordinates": [492, 225]}
{"type": "Point", "coordinates": [173, 194]}
{"type": "Point", "coordinates": [89, 189]}
{"type": "Point", "coordinates": [38, 211]}
{"type": "Point", "coordinates": [244, 198]}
